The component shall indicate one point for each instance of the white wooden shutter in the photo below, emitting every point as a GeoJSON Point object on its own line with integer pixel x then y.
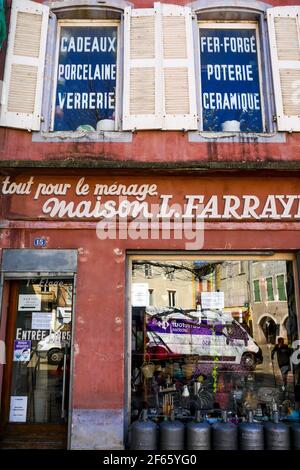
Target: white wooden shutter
{"type": "Point", "coordinates": [179, 92]}
{"type": "Point", "coordinates": [24, 67]}
{"type": "Point", "coordinates": [142, 99]}
{"type": "Point", "coordinates": [284, 36]}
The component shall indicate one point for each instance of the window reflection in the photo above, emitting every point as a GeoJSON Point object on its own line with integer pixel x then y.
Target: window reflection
{"type": "Point", "coordinates": [41, 352]}
{"type": "Point", "coordinates": [225, 343]}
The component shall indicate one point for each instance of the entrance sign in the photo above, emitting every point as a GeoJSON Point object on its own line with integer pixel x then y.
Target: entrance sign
{"type": "Point", "coordinates": [230, 87]}
{"type": "Point", "coordinates": [86, 77]}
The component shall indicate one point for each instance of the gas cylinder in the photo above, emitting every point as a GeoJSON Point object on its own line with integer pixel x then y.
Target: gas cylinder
{"type": "Point", "coordinates": [225, 436]}
{"type": "Point", "coordinates": [295, 431]}
{"type": "Point", "coordinates": [277, 435]}
{"type": "Point", "coordinates": [143, 433]}
{"type": "Point", "coordinates": [251, 435]}
{"type": "Point", "coordinates": [172, 434]}
{"type": "Point", "coordinates": [198, 434]}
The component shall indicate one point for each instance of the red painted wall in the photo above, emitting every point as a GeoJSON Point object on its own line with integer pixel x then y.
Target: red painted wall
{"type": "Point", "coordinates": [147, 146]}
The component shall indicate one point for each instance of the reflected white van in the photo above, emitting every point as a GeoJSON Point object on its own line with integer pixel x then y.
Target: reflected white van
{"type": "Point", "coordinates": [173, 333]}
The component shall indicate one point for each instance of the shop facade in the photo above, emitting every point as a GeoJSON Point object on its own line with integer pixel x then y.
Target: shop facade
{"type": "Point", "coordinates": [149, 256]}
{"type": "Point", "coordinates": [63, 264]}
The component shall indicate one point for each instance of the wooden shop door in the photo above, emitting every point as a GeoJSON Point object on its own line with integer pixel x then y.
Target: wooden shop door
{"type": "Point", "coordinates": [35, 394]}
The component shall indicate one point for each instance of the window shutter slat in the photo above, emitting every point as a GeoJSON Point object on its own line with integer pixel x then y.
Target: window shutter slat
{"type": "Point", "coordinates": [142, 73]}
{"type": "Point", "coordinates": [178, 68]}
{"type": "Point", "coordinates": [24, 66]}
{"type": "Point", "coordinates": [284, 35]}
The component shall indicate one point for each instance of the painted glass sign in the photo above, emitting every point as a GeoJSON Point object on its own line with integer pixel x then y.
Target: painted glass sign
{"type": "Point", "coordinates": [231, 98]}
{"type": "Point", "coordinates": [86, 78]}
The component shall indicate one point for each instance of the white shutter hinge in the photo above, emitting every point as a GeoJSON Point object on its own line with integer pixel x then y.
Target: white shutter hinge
{"type": "Point", "coordinates": [274, 118]}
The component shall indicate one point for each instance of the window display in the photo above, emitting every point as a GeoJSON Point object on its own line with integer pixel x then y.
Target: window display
{"type": "Point", "coordinates": [221, 347]}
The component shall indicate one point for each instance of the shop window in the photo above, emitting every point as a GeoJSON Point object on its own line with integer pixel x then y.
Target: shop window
{"type": "Point", "coordinates": [237, 49]}
{"type": "Point", "coordinates": [256, 289]}
{"type": "Point", "coordinates": [231, 92]}
{"type": "Point", "coordinates": [281, 290]}
{"type": "Point", "coordinates": [67, 60]}
{"type": "Point", "coordinates": [270, 290]}
{"type": "Point", "coordinates": [86, 81]}
{"type": "Point", "coordinates": [172, 298]}
{"type": "Point", "coordinates": [210, 359]}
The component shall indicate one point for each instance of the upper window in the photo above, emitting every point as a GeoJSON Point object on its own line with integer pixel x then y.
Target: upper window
{"type": "Point", "coordinates": [86, 80]}
{"type": "Point", "coordinates": [231, 94]}
{"type": "Point", "coordinates": [270, 290]}
{"type": "Point", "coordinates": [256, 289]}
{"type": "Point", "coordinates": [67, 61]}
{"type": "Point", "coordinates": [280, 280]}
{"type": "Point", "coordinates": [80, 82]}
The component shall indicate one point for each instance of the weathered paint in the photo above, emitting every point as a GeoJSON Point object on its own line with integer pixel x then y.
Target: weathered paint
{"type": "Point", "coordinates": [97, 429]}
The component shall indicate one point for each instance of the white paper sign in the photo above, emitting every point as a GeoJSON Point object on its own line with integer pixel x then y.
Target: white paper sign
{"type": "Point", "coordinates": [212, 300]}
{"type": "Point", "coordinates": [18, 409]}
{"type": "Point", "coordinates": [41, 320]}
{"type": "Point", "coordinates": [140, 295]}
{"type": "Point", "coordinates": [29, 302]}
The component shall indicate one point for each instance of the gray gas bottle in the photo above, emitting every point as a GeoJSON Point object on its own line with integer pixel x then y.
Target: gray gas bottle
{"type": "Point", "coordinates": [251, 435]}
{"type": "Point", "coordinates": [225, 435]}
{"type": "Point", "coordinates": [277, 435]}
{"type": "Point", "coordinates": [295, 436]}
{"type": "Point", "coordinates": [172, 434]}
{"type": "Point", "coordinates": [198, 434]}
{"type": "Point", "coordinates": [143, 433]}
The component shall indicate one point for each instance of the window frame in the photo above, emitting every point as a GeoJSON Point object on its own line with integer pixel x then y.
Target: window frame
{"type": "Point", "coordinates": [284, 286]}
{"type": "Point", "coordinates": [220, 24]}
{"type": "Point", "coordinates": [226, 11]}
{"type": "Point", "coordinates": [259, 289]}
{"type": "Point", "coordinates": [172, 296]}
{"type": "Point", "coordinates": [267, 292]}
{"type": "Point", "coordinates": [78, 23]}
{"type": "Point", "coordinates": [65, 11]}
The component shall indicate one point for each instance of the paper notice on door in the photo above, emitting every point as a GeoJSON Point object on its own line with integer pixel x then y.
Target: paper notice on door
{"type": "Point", "coordinates": [41, 320]}
{"type": "Point", "coordinates": [140, 295]}
{"type": "Point", "coordinates": [29, 302]}
{"type": "Point", "coordinates": [212, 300]}
{"type": "Point", "coordinates": [18, 409]}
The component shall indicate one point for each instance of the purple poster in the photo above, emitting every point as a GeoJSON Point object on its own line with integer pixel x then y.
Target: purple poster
{"type": "Point", "coordinates": [22, 351]}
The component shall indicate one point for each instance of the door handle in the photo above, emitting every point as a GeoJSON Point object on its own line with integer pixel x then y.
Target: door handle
{"type": "Point", "coordinates": [64, 383]}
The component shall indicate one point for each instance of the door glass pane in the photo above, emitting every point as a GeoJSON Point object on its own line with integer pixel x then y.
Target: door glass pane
{"type": "Point", "coordinates": [41, 351]}
{"type": "Point", "coordinates": [223, 345]}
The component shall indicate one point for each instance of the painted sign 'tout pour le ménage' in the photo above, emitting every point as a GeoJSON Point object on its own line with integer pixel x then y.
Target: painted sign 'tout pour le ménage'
{"type": "Point", "coordinates": [96, 200]}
